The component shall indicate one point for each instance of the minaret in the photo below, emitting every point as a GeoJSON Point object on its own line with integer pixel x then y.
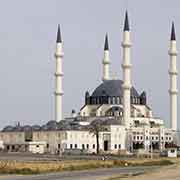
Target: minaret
{"type": "Point", "coordinates": [126, 66]}
{"type": "Point", "coordinates": [58, 77]}
{"type": "Point", "coordinates": [173, 79]}
{"type": "Point", "coordinates": [106, 60]}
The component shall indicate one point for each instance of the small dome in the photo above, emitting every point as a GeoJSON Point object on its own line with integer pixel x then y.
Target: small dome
{"type": "Point", "coordinates": [36, 127]}
{"type": "Point", "coordinates": [27, 128]}
{"type": "Point", "coordinates": [143, 94]}
{"type": "Point", "coordinates": [8, 128]}
{"type": "Point", "coordinates": [87, 94]}
{"type": "Point", "coordinates": [112, 88]}
{"type": "Point", "coordinates": [51, 125]}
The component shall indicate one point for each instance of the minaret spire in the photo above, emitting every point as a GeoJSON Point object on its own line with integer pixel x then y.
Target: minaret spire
{"type": "Point", "coordinates": [106, 44]}
{"type": "Point", "coordinates": [173, 79]}
{"type": "Point", "coordinates": [59, 39]}
{"type": "Point", "coordinates": [58, 76]}
{"type": "Point", "coordinates": [173, 34]}
{"type": "Point", "coordinates": [106, 60]}
{"type": "Point", "coordinates": [126, 22]}
{"type": "Point", "coordinates": [126, 66]}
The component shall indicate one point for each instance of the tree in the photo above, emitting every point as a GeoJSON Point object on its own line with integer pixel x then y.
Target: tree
{"type": "Point", "coordinates": [95, 128]}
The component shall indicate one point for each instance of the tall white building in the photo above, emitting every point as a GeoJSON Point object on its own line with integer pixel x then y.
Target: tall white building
{"type": "Point", "coordinates": [58, 77]}
{"type": "Point", "coordinates": [173, 79]}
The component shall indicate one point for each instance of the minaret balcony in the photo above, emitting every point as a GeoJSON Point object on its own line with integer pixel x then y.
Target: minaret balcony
{"type": "Point", "coordinates": [58, 74]}
{"type": "Point", "coordinates": [126, 44]}
{"type": "Point", "coordinates": [59, 55]}
{"type": "Point", "coordinates": [173, 91]}
{"type": "Point", "coordinates": [126, 66]}
{"type": "Point", "coordinates": [173, 52]}
{"type": "Point", "coordinates": [173, 72]}
{"type": "Point", "coordinates": [126, 86]}
{"type": "Point", "coordinates": [58, 93]}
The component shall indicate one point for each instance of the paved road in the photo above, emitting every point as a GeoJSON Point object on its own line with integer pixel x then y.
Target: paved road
{"type": "Point", "coordinates": [96, 174]}
{"type": "Point", "coordinates": [24, 157]}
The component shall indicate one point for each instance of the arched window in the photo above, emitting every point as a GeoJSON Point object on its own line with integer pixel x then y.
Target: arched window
{"type": "Point", "coordinates": [109, 100]}
{"type": "Point", "coordinates": [113, 100]}
{"type": "Point", "coordinates": [118, 100]}
{"type": "Point", "coordinates": [97, 100]}
{"type": "Point", "coordinates": [121, 100]}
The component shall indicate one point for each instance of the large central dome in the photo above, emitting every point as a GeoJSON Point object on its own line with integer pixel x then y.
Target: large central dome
{"type": "Point", "coordinates": [111, 92]}
{"type": "Point", "coordinates": [112, 88]}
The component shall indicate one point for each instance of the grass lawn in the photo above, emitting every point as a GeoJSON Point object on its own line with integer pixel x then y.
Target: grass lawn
{"type": "Point", "coordinates": [14, 167]}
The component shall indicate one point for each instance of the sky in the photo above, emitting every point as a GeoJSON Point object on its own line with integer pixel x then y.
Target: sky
{"type": "Point", "coordinates": [27, 45]}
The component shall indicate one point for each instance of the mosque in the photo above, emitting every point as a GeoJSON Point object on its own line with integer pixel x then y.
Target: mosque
{"type": "Point", "coordinates": [126, 122]}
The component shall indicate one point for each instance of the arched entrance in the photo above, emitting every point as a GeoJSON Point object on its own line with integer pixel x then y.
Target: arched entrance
{"type": "Point", "coordinates": [138, 145]}
{"type": "Point", "coordinates": [105, 145]}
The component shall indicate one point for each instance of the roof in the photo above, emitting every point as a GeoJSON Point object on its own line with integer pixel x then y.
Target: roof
{"type": "Point", "coordinates": [63, 125]}
{"type": "Point", "coordinates": [112, 88]}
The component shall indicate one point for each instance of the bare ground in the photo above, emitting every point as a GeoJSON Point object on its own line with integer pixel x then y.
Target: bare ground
{"type": "Point", "coordinates": [164, 173]}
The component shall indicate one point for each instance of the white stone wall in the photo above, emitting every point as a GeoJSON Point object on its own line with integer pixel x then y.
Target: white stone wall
{"type": "Point", "coordinates": [53, 139]}
{"type": "Point", "coordinates": [118, 138]}
{"type": "Point", "coordinates": [37, 147]}
{"type": "Point", "coordinates": [12, 137]}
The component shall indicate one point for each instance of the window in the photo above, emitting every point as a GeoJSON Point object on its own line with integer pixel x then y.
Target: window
{"type": "Point", "coordinates": [161, 138]}
{"type": "Point", "coordinates": [172, 150]}
{"type": "Point", "coordinates": [87, 146]}
{"type": "Point", "coordinates": [75, 146]}
{"type": "Point", "coordinates": [47, 145]}
{"type": "Point", "coordinates": [59, 146]}
{"type": "Point", "coordinates": [109, 100]}
{"type": "Point", "coordinates": [83, 146]}
{"type": "Point", "coordinates": [37, 146]}
{"type": "Point", "coordinates": [71, 146]}
{"type": "Point", "coordinates": [147, 138]}
{"type": "Point", "coordinates": [137, 137]}
{"type": "Point", "coordinates": [59, 135]}
{"type": "Point", "coordinates": [115, 146]}
{"type": "Point", "coordinates": [114, 100]}
{"type": "Point", "coordinates": [141, 137]}
{"type": "Point", "coordinates": [93, 146]}
{"type": "Point", "coordinates": [166, 138]}
{"type": "Point", "coordinates": [156, 138]}
{"type": "Point", "coordinates": [169, 138]}
{"type": "Point", "coordinates": [118, 100]}
{"type": "Point", "coordinates": [134, 137]}
{"type": "Point", "coordinates": [119, 146]}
